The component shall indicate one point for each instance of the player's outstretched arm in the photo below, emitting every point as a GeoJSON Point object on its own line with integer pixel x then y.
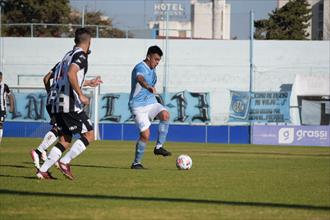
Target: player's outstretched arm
{"type": "Point", "coordinates": [93, 82]}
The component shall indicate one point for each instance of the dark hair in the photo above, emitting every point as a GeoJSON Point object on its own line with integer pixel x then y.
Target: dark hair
{"type": "Point", "coordinates": [155, 49]}
{"type": "Point", "coordinates": [81, 35]}
{"type": "Point", "coordinates": [0, 73]}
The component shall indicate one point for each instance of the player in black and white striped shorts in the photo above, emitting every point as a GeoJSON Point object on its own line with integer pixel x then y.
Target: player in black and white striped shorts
{"type": "Point", "coordinates": [4, 93]}
{"type": "Point", "coordinates": [67, 101]}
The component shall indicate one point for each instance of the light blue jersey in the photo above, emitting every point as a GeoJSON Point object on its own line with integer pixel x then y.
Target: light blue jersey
{"type": "Point", "coordinates": [140, 96]}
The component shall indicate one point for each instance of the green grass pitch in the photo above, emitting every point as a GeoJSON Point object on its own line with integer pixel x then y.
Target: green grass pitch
{"type": "Point", "coordinates": [225, 182]}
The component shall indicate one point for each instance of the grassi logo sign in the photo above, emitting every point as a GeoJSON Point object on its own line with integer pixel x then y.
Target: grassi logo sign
{"type": "Point", "coordinates": [286, 135]}
{"type": "Point", "coordinates": [289, 135]}
{"type": "Point", "coordinates": [311, 134]}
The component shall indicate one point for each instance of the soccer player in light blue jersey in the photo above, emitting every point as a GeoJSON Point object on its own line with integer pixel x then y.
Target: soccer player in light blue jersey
{"type": "Point", "coordinates": [144, 106]}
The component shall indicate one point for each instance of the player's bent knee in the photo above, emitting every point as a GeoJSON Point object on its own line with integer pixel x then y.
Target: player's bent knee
{"type": "Point", "coordinates": [90, 136]}
{"type": "Point", "coordinates": [55, 131]}
{"type": "Point", "coordinates": [165, 116]}
{"type": "Point", "coordinates": [64, 144]}
{"type": "Point", "coordinates": [144, 139]}
{"type": "Point", "coordinates": [67, 138]}
{"type": "Point", "coordinates": [145, 135]}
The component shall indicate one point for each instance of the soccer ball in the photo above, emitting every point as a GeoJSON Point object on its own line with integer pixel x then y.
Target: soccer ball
{"type": "Point", "coordinates": [183, 162]}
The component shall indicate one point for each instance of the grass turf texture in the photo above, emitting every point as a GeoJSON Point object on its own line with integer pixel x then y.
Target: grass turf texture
{"type": "Point", "coordinates": [225, 182]}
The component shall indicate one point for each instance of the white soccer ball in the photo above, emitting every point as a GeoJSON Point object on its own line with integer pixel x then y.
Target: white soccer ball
{"type": "Point", "coordinates": [183, 162]}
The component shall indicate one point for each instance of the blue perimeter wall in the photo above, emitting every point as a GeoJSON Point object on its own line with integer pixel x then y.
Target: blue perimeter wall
{"type": "Point", "coordinates": [129, 132]}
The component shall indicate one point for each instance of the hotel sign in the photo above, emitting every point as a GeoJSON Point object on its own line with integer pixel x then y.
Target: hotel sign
{"type": "Point", "coordinates": [174, 9]}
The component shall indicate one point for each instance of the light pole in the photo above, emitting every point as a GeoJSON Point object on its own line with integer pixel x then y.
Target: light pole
{"type": "Point", "coordinates": [1, 45]}
{"type": "Point", "coordinates": [83, 16]}
{"type": "Point", "coordinates": [251, 71]}
{"type": "Point", "coordinates": [251, 49]}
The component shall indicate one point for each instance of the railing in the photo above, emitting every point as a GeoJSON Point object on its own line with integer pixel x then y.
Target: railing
{"type": "Point", "coordinates": [128, 32]}
{"type": "Point", "coordinates": [32, 27]}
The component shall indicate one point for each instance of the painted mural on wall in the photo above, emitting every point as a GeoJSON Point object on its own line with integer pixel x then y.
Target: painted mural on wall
{"type": "Point", "coordinates": [184, 107]}
{"type": "Point", "coordinates": [263, 107]}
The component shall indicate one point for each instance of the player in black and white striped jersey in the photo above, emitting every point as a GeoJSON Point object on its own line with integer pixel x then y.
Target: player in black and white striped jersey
{"type": "Point", "coordinates": [4, 93]}
{"type": "Point", "coordinates": [39, 154]}
{"type": "Point", "coordinates": [64, 95]}
{"type": "Point", "coordinates": [67, 101]}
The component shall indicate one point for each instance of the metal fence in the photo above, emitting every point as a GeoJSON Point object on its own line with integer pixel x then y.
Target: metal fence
{"type": "Point", "coordinates": [98, 31]}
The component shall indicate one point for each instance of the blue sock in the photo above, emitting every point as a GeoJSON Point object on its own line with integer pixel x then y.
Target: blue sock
{"type": "Point", "coordinates": [139, 151]}
{"type": "Point", "coordinates": [162, 133]}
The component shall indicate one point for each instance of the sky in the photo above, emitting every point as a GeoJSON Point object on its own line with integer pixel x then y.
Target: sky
{"type": "Point", "coordinates": [134, 14]}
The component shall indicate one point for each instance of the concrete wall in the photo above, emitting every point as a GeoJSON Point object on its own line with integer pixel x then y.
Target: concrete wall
{"type": "Point", "coordinates": [213, 66]}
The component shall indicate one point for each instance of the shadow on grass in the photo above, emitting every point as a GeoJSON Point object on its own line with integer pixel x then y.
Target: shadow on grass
{"type": "Point", "coordinates": [16, 166]}
{"type": "Point", "coordinates": [85, 165]}
{"type": "Point", "coordinates": [98, 166]}
{"type": "Point", "coordinates": [25, 177]}
{"type": "Point", "coordinates": [155, 199]}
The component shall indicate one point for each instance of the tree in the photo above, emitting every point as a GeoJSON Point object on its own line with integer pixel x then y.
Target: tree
{"type": "Point", "coordinates": [287, 23]}
{"type": "Point", "coordinates": [35, 11]}
{"type": "Point", "coordinates": [49, 12]}
{"type": "Point", "coordinates": [105, 26]}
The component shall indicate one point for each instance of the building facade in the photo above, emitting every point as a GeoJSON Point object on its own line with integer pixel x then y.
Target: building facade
{"type": "Point", "coordinates": [176, 29]}
{"type": "Point", "coordinates": [208, 20]}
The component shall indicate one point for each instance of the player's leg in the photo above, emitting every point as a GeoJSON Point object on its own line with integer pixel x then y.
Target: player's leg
{"type": "Point", "coordinates": [40, 153]}
{"type": "Point", "coordinates": [1, 131]}
{"type": "Point", "coordinates": [65, 137]}
{"type": "Point", "coordinates": [139, 149]}
{"type": "Point", "coordinates": [49, 139]}
{"type": "Point", "coordinates": [85, 129]}
{"type": "Point", "coordinates": [51, 136]}
{"type": "Point", "coordinates": [143, 123]}
{"type": "Point", "coordinates": [163, 115]}
{"type": "Point", "coordinates": [2, 119]}
{"type": "Point", "coordinates": [54, 155]}
{"type": "Point", "coordinates": [162, 128]}
{"type": "Point", "coordinates": [78, 147]}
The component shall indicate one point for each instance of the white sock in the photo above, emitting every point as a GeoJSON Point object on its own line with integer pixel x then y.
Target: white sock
{"type": "Point", "coordinates": [53, 156]}
{"type": "Point", "coordinates": [48, 140]}
{"type": "Point", "coordinates": [1, 132]}
{"type": "Point", "coordinates": [158, 146]}
{"type": "Point", "coordinates": [77, 148]}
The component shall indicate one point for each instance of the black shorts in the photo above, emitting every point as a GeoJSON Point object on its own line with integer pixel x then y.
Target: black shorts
{"type": "Point", "coordinates": [51, 115]}
{"type": "Point", "coordinates": [2, 116]}
{"type": "Point", "coordinates": [73, 123]}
